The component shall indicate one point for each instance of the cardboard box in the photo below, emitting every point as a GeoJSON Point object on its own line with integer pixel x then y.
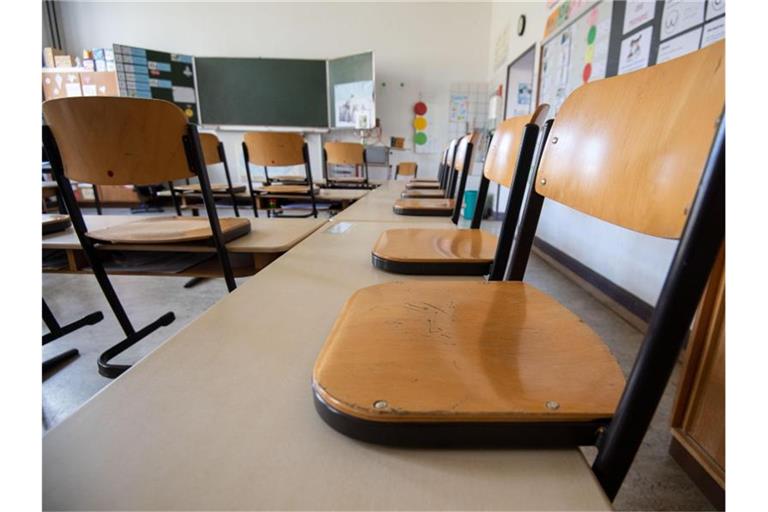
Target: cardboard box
{"type": "Point", "coordinates": [49, 55]}
{"type": "Point", "coordinates": [95, 83]}
{"type": "Point", "coordinates": [57, 84]}
{"type": "Point", "coordinates": [63, 61]}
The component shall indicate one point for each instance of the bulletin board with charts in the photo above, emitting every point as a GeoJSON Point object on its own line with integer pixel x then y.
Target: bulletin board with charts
{"type": "Point", "coordinates": [587, 41]}
{"type": "Point", "coordinates": [143, 73]}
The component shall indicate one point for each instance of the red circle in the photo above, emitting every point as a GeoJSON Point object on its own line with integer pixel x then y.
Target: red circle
{"type": "Point", "coordinates": [420, 108]}
{"type": "Point", "coordinates": [586, 73]}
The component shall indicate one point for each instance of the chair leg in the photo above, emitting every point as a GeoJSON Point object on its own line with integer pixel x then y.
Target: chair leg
{"type": "Point", "coordinates": [194, 282]}
{"type": "Point", "coordinates": [110, 370]}
{"type": "Point", "coordinates": [53, 362]}
{"type": "Point", "coordinates": [60, 331]}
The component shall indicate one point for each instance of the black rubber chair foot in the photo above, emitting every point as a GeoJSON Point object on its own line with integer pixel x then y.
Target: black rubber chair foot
{"type": "Point", "coordinates": [58, 360]}
{"type": "Point", "coordinates": [111, 371]}
{"type": "Point", "coordinates": [91, 319]}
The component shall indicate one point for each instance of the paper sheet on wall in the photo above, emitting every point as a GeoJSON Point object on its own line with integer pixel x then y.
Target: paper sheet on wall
{"type": "Point", "coordinates": [679, 46]}
{"type": "Point", "coordinates": [635, 51]}
{"type": "Point", "coordinates": [679, 16]}
{"type": "Point", "coordinates": [638, 12]}
{"type": "Point", "coordinates": [715, 8]}
{"type": "Point", "coordinates": [354, 104]}
{"type": "Point", "coordinates": [713, 32]}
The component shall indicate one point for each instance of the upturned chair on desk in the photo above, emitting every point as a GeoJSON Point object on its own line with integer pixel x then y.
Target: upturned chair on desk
{"type": "Point", "coordinates": [434, 189]}
{"type": "Point", "coordinates": [406, 169]}
{"type": "Point", "coordinates": [130, 141]}
{"type": "Point", "coordinates": [426, 363]}
{"type": "Point", "coordinates": [273, 149]}
{"type": "Point", "coordinates": [472, 251]}
{"type": "Point", "coordinates": [346, 154]}
{"type": "Point", "coordinates": [213, 154]}
{"type": "Point", "coordinates": [416, 183]}
{"type": "Point", "coordinates": [449, 202]}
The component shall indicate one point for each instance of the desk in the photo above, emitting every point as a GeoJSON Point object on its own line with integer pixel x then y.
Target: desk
{"type": "Point", "coordinates": [221, 416]}
{"type": "Point", "coordinates": [268, 239]}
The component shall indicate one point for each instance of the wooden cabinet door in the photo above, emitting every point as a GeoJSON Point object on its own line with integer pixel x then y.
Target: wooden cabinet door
{"type": "Point", "coordinates": [698, 420]}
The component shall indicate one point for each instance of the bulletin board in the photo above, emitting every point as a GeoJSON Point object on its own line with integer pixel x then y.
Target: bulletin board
{"type": "Point", "coordinates": [143, 73]}
{"type": "Point", "coordinates": [587, 41]}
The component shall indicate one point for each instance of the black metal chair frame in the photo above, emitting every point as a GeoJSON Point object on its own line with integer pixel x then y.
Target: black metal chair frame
{"type": "Point", "coordinates": [194, 156]}
{"type": "Point", "coordinates": [58, 331]}
{"type": "Point", "coordinates": [230, 192]}
{"type": "Point", "coordinates": [307, 181]}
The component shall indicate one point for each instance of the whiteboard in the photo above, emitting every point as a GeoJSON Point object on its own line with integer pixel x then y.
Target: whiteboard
{"type": "Point", "coordinates": [575, 55]}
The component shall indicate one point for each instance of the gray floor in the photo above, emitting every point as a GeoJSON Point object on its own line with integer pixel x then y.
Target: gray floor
{"type": "Point", "coordinates": [655, 481]}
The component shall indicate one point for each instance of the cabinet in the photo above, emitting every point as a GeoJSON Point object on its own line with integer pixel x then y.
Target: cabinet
{"type": "Point", "coordinates": [698, 418]}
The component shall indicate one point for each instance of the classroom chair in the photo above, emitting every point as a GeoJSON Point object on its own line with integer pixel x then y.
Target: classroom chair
{"type": "Point", "coordinates": [213, 154]}
{"type": "Point", "coordinates": [434, 189]}
{"type": "Point", "coordinates": [406, 169]}
{"type": "Point", "coordinates": [56, 331]}
{"type": "Point", "coordinates": [471, 251]}
{"type": "Point", "coordinates": [460, 155]}
{"type": "Point", "coordinates": [131, 141]}
{"type": "Point", "coordinates": [417, 183]}
{"type": "Point", "coordinates": [457, 363]}
{"type": "Point", "coordinates": [275, 149]}
{"type": "Point", "coordinates": [348, 154]}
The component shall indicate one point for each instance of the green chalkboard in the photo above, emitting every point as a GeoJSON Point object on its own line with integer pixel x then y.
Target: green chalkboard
{"type": "Point", "coordinates": [353, 68]}
{"type": "Point", "coordinates": [262, 92]}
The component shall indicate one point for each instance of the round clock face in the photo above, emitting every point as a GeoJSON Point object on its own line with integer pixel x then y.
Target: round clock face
{"type": "Point", "coordinates": [521, 25]}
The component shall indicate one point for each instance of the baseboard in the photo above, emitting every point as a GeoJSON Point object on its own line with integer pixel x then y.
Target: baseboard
{"type": "Point", "coordinates": [703, 480]}
{"type": "Point", "coordinates": [627, 305]}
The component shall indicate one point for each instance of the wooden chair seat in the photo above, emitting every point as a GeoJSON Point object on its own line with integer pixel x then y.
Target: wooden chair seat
{"type": "Point", "coordinates": [408, 356]}
{"type": "Point", "coordinates": [435, 251]}
{"type": "Point", "coordinates": [430, 193]}
{"type": "Point", "coordinates": [169, 230]}
{"type": "Point", "coordinates": [288, 178]}
{"type": "Point", "coordinates": [422, 185]}
{"type": "Point", "coordinates": [348, 179]}
{"type": "Point", "coordinates": [286, 189]}
{"type": "Point", "coordinates": [424, 207]}
{"type": "Point", "coordinates": [53, 223]}
{"type": "Point", "coordinates": [218, 188]}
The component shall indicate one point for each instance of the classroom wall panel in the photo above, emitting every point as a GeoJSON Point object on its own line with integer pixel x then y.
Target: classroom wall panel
{"type": "Point", "coordinates": [409, 40]}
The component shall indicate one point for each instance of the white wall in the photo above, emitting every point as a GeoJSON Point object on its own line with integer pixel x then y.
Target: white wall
{"type": "Point", "coordinates": [424, 46]}
{"type": "Point", "coordinates": [635, 262]}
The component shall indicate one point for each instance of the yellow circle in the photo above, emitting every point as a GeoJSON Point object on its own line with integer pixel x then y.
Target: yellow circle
{"type": "Point", "coordinates": [589, 53]}
{"type": "Point", "coordinates": [420, 123]}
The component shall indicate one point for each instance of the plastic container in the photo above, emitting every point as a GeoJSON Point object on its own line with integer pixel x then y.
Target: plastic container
{"type": "Point", "coordinates": [470, 203]}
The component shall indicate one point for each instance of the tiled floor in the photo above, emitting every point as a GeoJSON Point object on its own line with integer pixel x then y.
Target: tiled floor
{"type": "Point", "coordinates": [655, 481]}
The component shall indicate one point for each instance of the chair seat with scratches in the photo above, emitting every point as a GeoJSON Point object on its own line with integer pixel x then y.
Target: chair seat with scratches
{"type": "Point", "coordinates": [131, 141]}
{"type": "Point", "coordinates": [431, 363]}
{"type": "Point", "coordinates": [459, 158]}
{"type": "Point", "coordinates": [446, 251]}
{"type": "Point", "coordinates": [276, 149]}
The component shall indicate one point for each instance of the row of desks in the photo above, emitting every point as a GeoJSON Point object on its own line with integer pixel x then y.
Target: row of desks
{"type": "Point", "coordinates": [221, 415]}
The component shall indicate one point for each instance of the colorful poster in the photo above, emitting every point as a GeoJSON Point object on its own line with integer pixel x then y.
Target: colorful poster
{"type": "Point", "coordinates": [459, 108]}
{"type": "Point", "coordinates": [679, 46]}
{"type": "Point", "coordinates": [638, 12]}
{"type": "Point", "coordinates": [354, 104]}
{"type": "Point", "coordinates": [635, 51]}
{"type": "Point", "coordinates": [680, 15]}
{"type": "Point", "coordinates": [713, 32]}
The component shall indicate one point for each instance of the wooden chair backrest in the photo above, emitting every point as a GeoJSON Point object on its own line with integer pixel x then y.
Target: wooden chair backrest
{"type": "Point", "coordinates": [630, 149]}
{"type": "Point", "coordinates": [344, 153]}
{"type": "Point", "coordinates": [406, 169]}
{"type": "Point", "coordinates": [274, 149]}
{"type": "Point", "coordinates": [461, 163]}
{"type": "Point", "coordinates": [501, 161]}
{"type": "Point", "coordinates": [110, 140]}
{"type": "Point", "coordinates": [210, 144]}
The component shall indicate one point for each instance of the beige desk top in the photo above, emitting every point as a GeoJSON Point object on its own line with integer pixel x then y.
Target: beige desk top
{"type": "Point", "coordinates": [377, 207]}
{"type": "Point", "coordinates": [221, 416]}
{"type": "Point", "coordinates": [266, 236]}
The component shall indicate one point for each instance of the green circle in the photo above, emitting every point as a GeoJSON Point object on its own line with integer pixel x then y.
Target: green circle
{"type": "Point", "coordinates": [420, 138]}
{"type": "Point", "coordinates": [591, 34]}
